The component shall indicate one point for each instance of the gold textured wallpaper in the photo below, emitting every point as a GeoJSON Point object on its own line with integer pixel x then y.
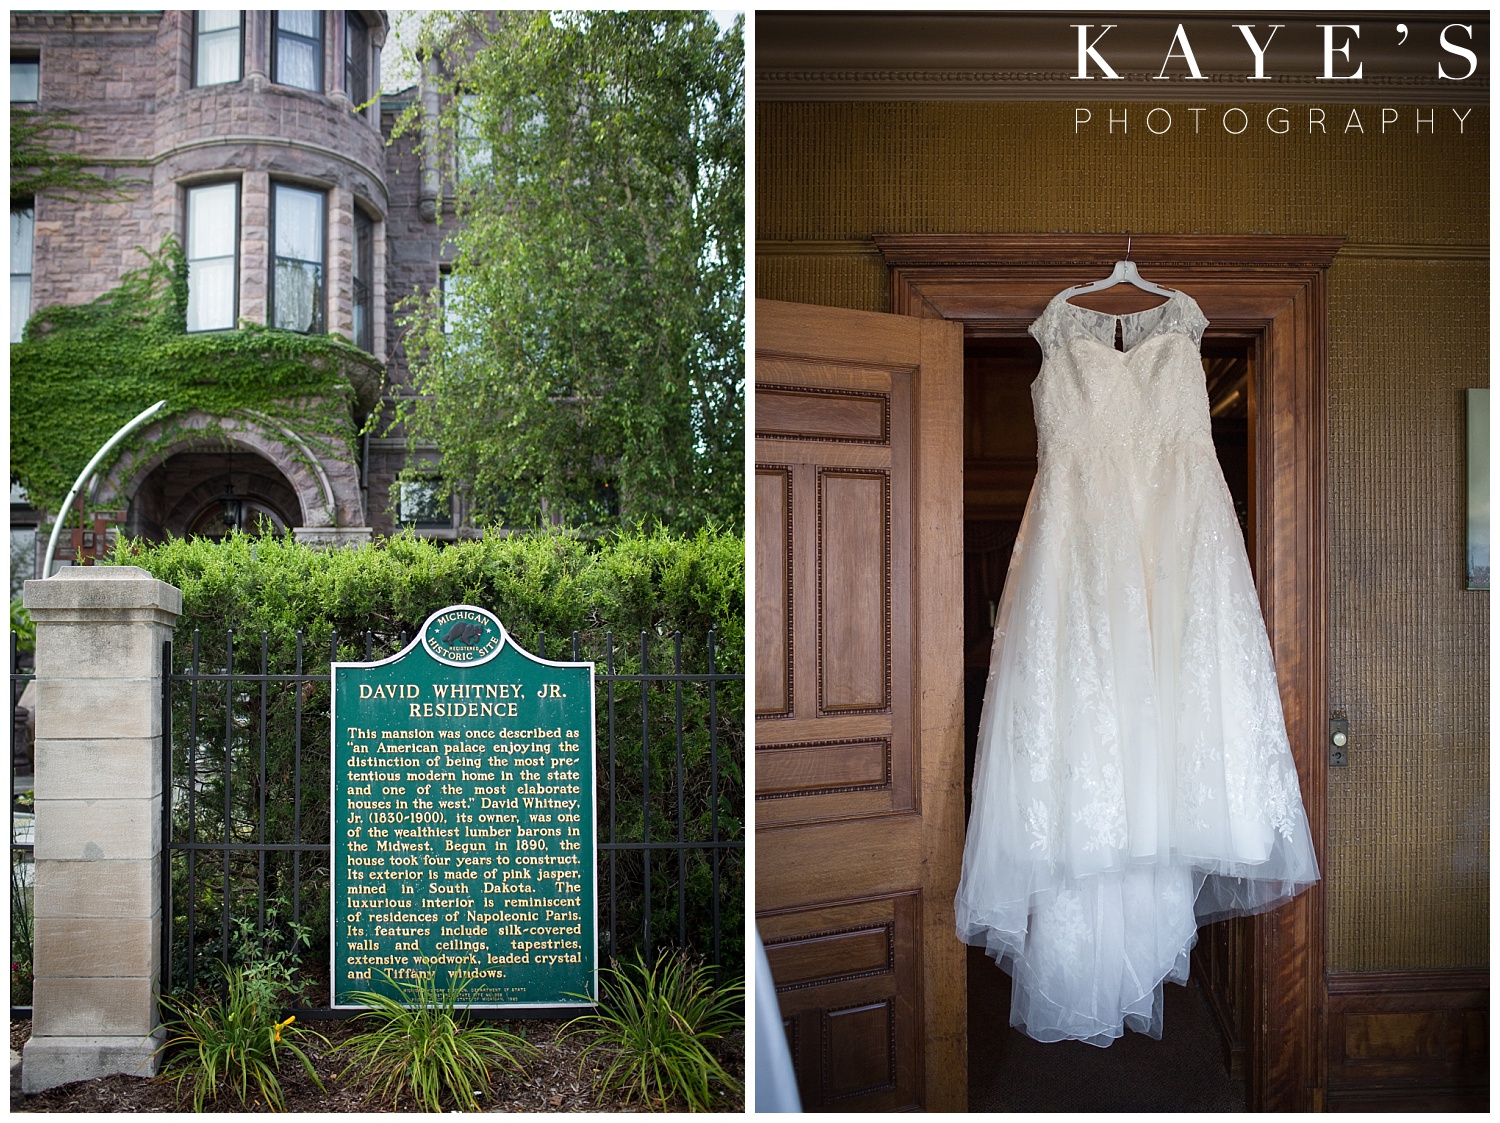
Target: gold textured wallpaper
{"type": "Point", "coordinates": [1408, 840]}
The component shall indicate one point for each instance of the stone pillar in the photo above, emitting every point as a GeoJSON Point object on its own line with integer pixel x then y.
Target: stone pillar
{"type": "Point", "coordinates": [99, 633]}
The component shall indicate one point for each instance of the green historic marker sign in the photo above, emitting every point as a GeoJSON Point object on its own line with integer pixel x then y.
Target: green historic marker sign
{"type": "Point", "coordinates": [463, 819]}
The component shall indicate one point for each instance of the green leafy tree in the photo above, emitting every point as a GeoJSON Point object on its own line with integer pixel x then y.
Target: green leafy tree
{"type": "Point", "coordinates": [590, 361]}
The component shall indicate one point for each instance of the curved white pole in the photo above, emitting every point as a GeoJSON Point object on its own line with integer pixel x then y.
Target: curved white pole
{"type": "Point", "coordinates": [83, 478]}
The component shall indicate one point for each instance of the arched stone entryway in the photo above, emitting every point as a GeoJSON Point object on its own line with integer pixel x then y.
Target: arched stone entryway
{"type": "Point", "coordinates": [174, 483]}
{"type": "Point", "coordinates": [184, 495]}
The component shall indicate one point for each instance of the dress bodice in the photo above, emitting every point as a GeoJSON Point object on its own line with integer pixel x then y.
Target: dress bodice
{"type": "Point", "coordinates": [1092, 395]}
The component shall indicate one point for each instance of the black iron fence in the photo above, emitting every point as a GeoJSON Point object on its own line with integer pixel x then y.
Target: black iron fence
{"type": "Point", "coordinates": [247, 822]}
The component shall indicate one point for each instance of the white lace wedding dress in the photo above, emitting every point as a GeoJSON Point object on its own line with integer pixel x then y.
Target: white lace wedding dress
{"type": "Point", "coordinates": [1134, 778]}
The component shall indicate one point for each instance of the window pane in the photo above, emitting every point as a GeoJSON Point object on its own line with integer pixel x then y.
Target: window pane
{"type": "Point", "coordinates": [20, 239]}
{"type": "Point", "coordinates": [364, 256]}
{"type": "Point", "coordinates": [474, 152]}
{"type": "Point", "coordinates": [362, 326]}
{"type": "Point", "coordinates": [297, 64]}
{"type": "Point", "coordinates": [218, 20]}
{"type": "Point", "coordinates": [308, 23]}
{"type": "Point", "coordinates": [25, 80]}
{"type": "Point", "coordinates": [211, 221]}
{"type": "Point", "coordinates": [363, 247]}
{"type": "Point", "coordinates": [20, 305]}
{"type": "Point", "coordinates": [210, 294]}
{"type": "Point", "coordinates": [299, 296]}
{"type": "Point", "coordinates": [219, 59]}
{"type": "Point", "coordinates": [212, 253]}
{"type": "Point", "coordinates": [356, 58]}
{"type": "Point", "coordinates": [218, 47]}
{"type": "Point", "coordinates": [452, 303]}
{"type": "Point", "coordinates": [421, 503]}
{"type": "Point", "coordinates": [299, 224]}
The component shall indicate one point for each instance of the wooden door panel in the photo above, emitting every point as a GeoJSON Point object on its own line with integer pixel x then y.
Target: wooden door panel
{"type": "Point", "coordinates": [773, 600]}
{"type": "Point", "coordinates": [855, 414]}
{"type": "Point", "coordinates": [837, 415]}
{"type": "Point", "coordinates": [843, 976]}
{"type": "Point", "coordinates": [854, 577]}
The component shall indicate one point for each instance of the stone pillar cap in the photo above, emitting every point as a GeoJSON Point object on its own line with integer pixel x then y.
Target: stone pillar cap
{"type": "Point", "coordinates": [113, 587]}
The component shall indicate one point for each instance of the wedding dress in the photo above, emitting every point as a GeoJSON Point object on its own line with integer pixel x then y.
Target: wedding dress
{"type": "Point", "coordinates": [1134, 778]}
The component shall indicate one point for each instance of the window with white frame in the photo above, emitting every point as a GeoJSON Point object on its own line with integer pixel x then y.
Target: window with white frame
{"type": "Point", "coordinates": [297, 49]}
{"type": "Point", "coordinates": [216, 47]}
{"type": "Point", "coordinates": [212, 244]}
{"type": "Point", "coordinates": [298, 296]}
{"type": "Point", "coordinates": [22, 228]}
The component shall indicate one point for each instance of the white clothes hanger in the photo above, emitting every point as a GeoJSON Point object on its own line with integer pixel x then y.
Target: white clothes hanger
{"type": "Point", "coordinates": [1124, 272]}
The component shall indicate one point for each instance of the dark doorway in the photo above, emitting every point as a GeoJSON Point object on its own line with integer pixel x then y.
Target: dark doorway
{"type": "Point", "coordinates": [209, 493]}
{"type": "Point", "coordinates": [1198, 1065]}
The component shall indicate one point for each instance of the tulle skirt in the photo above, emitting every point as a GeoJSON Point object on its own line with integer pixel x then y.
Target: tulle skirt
{"type": "Point", "coordinates": [1133, 778]}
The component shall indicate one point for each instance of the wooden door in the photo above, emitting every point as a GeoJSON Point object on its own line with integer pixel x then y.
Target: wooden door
{"type": "Point", "coordinates": [1271, 291]}
{"type": "Point", "coordinates": [858, 732]}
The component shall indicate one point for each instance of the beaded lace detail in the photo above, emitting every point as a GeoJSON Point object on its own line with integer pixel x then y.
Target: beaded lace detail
{"type": "Point", "coordinates": [1134, 776]}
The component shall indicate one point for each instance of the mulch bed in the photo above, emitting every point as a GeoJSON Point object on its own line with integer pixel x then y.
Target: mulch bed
{"type": "Point", "coordinates": [553, 1081]}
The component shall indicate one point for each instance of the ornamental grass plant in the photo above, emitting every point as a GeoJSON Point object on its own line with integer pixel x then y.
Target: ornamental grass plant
{"type": "Point", "coordinates": [232, 1044]}
{"type": "Point", "coordinates": [655, 1026]}
{"type": "Point", "coordinates": [421, 1044]}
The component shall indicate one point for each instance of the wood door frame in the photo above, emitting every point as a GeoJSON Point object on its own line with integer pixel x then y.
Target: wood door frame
{"type": "Point", "coordinates": [1272, 289]}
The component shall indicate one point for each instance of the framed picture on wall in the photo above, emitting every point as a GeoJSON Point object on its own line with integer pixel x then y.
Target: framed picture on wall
{"type": "Point", "coordinates": [1478, 553]}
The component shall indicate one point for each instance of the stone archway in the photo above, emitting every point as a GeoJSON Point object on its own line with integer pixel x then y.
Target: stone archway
{"type": "Point", "coordinates": [182, 496]}
{"type": "Point", "coordinates": [186, 460]}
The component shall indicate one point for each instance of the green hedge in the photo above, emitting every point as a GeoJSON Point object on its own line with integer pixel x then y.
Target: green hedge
{"type": "Point", "coordinates": [653, 582]}
{"type": "Point", "coordinates": [273, 592]}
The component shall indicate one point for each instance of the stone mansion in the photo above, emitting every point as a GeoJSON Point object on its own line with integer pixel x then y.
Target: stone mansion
{"type": "Point", "coordinates": [260, 140]}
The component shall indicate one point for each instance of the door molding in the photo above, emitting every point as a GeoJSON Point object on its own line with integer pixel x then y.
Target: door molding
{"type": "Point", "coordinates": [1273, 291]}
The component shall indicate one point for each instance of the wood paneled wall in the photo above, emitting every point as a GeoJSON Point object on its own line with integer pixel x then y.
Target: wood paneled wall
{"type": "Point", "coordinates": [1409, 1041]}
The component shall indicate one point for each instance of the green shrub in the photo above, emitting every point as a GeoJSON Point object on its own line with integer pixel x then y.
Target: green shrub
{"type": "Point", "coordinates": [21, 624]}
{"type": "Point", "coordinates": [421, 1045]}
{"type": "Point", "coordinates": [655, 1026]}
{"type": "Point", "coordinates": [269, 958]}
{"type": "Point", "coordinates": [232, 1043]}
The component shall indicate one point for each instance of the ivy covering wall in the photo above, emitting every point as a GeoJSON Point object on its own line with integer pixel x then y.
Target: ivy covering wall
{"type": "Point", "coordinates": [82, 371]}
